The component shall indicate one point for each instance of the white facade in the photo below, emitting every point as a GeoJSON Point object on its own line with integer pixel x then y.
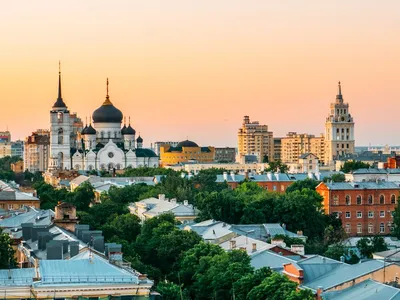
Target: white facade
{"type": "Point", "coordinates": [103, 146]}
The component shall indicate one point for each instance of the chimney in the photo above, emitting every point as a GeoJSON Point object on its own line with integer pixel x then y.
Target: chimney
{"type": "Point", "coordinates": [26, 231]}
{"type": "Point", "coordinates": [310, 175]}
{"type": "Point", "coordinates": [185, 202]}
{"type": "Point", "coordinates": [320, 290]}
{"type": "Point", "coordinates": [299, 232]}
{"type": "Point", "coordinates": [269, 175]}
{"type": "Point", "coordinates": [161, 197]}
{"type": "Point", "coordinates": [254, 249]}
{"type": "Point", "coordinates": [233, 176]}
{"type": "Point", "coordinates": [225, 176]}
{"type": "Point", "coordinates": [232, 244]}
{"type": "Point", "coordinates": [342, 259]}
{"type": "Point", "coordinates": [299, 249]}
{"type": "Point", "coordinates": [173, 200]}
{"type": "Point", "coordinates": [246, 175]}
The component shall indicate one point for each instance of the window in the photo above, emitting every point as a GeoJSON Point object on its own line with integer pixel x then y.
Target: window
{"type": "Point", "coordinates": [10, 206]}
{"type": "Point", "coordinates": [359, 228]}
{"type": "Point", "coordinates": [60, 136]}
{"type": "Point", "coordinates": [382, 228]}
{"type": "Point", "coordinates": [274, 187]}
{"type": "Point", "coordinates": [348, 215]}
{"type": "Point", "coordinates": [370, 228]}
{"type": "Point", "coordinates": [382, 214]}
{"type": "Point", "coordinates": [382, 199]}
{"type": "Point", "coordinates": [282, 188]}
{"type": "Point", "coordinates": [348, 200]}
{"type": "Point", "coordinates": [359, 214]}
{"type": "Point", "coordinates": [393, 199]}
{"type": "Point", "coordinates": [370, 214]}
{"type": "Point", "coordinates": [370, 199]}
{"type": "Point", "coordinates": [359, 200]}
{"type": "Point", "coordinates": [347, 228]}
{"type": "Point", "coordinates": [336, 200]}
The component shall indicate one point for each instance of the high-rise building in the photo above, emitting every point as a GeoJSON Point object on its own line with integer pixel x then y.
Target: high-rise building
{"type": "Point", "coordinates": [36, 154]}
{"type": "Point", "coordinates": [255, 139]}
{"type": "Point", "coordinates": [277, 148]}
{"type": "Point", "coordinates": [5, 136]}
{"type": "Point", "coordinates": [17, 148]}
{"type": "Point", "coordinates": [294, 145]}
{"type": "Point", "coordinates": [339, 130]}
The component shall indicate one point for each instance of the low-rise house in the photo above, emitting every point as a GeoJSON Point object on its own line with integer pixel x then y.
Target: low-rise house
{"type": "Point", "coordinates": [153, 207]}
{"type": "Point", "coordinates": [321, 274]}
{"type": "Point", "coordinates": [86, 275]}
{"type": "Point", "coordinates": [366, 290]}
{"type": "Point", "coordinates": [14, 200]}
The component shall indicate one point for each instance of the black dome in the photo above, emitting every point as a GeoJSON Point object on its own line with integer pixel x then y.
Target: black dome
{"type": "Point", "coordinates": [90, 130]}
{"type": "Point", "coordinates": [187, 143]}
{"type": "Point", "coordinates": [139, 139]}
{"type": "Point", "coordinates": [83, 132]}
{"type": "Point", "coordinates": [107, 113]}
{"type": "Point", "coordinates": [130, 130]}
{"type": "Point", "coordinates": [123, 130]}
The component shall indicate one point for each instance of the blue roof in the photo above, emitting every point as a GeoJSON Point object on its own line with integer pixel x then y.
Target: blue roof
{"type": "Point", "coordinates": [328, 276]}
{"type": "Point", "coordinates": [366, 290]}
{"type": "Point", "coordinates": [383, 185]}
{"type": "Point", "coordinates": [37, 217]}
{"type": "Point", "coordinates": [267, 258]}
{"type": "Point", "coordinates": [83, 269]}
{"type": "Point", "coordinates": [17, 277]}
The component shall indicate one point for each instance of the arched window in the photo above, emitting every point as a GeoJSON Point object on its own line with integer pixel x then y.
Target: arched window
{"type": "Point", "coordinates": [370, 199]}
{"type": "Point", "coordinates": [359, 200]}
{"type": "Point", "coordinates": [118, 167]}
{"type": "Point", "coordinates": [90, 168]}
{"type": "Point", "coordinates": [336, 200]}
{"type": "Point", "coordinates": [348, 200]}
{"type": "Point", "coordinates": [382, 199]}
{"type": "Point", "coordinates": [77, 167]}
{"type": "Point", "coordinates": [370, 228]}
{"type": "Point", "coordinates": [109, 134]}
{"type": "Point", "coordinates": [347, 228]}
{"type": "Point", "coordinates": [115, 134]}
{"type": "Point", "coordinates": [60, 136]}
{"type": "Point", "coordinates": [393, 199]}
{"type": "Point", "coordinates": [60, 117]}
{"type": "Point", "coordinates": [110, 166]}
{"type": "Point", "coordinates": [103, 166]}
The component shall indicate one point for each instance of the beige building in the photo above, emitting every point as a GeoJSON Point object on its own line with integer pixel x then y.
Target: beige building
{"type": "Point", "coordinates": [36, 154]}
{"type": "Point", "coordinates": [294, 145]}
{"type": "Point", "coordinates": [255, 139]}
{"type": "Point", "coordinates": [339, 130]}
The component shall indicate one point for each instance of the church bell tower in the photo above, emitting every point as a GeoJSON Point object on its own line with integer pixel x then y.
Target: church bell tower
{"type": "Point", "coordinates": [60, 132]}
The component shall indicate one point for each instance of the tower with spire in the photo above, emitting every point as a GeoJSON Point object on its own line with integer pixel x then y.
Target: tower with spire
{"type": "Point", "coordinates": [60, 132]}
{"type": "Point", "coordinates": [339, 130]}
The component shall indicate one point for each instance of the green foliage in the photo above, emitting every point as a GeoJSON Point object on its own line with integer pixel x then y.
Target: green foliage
{"type": "Point", "coordinates": [350, 166]}
{"type": "Point", "coordinates": [265, 159]}
{"type": "Point", "coordinates": [82, 196]}
{"type": "Point", "coordinates": [205, 180]}
{"type": "Point", "coordinates": [274, 166]}
{"type": "Point", "coordinates": [277, 287]}
{"type": "Point", "coordinates": [289, 241]}
{"type": "Point", "coordinates": [49, 196]}
{"type": "Point", "coordinates": [244, 285]}
{"type": "Point", "coordinates": [339, 177]}
{"type": "Point", "coordinates": [367, 246]}
{"type": "Point", "coordinates": [335, 251]}
{"type": "Point", "coordinates": [7, 259]}
{"type": "Point", "coordinates": [302, 184]}
{"type": "Point", "coordinates": [147, 172]}
{"type": "Point", "coordinates": [171, 291]}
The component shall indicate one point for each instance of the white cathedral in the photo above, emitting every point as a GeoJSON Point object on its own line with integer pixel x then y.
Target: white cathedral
{"type": "Point", "coordinates": [101, 146]}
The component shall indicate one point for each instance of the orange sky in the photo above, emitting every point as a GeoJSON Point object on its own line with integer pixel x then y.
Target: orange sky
{"type": "Point", "coordinates": [192, 69]}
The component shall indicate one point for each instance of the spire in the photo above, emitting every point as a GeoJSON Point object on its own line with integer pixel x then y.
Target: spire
{"type": "Point", "coordinates": [339, 94]}
{"type": "Point", "coordinates": [59, 103]}
{"type": "Point", "coordinates": [129, 120]}
{"type": "Point", "coordinates": [107, 101]}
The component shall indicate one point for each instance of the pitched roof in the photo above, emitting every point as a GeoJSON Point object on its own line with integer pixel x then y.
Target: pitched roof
{"type": "Point", "coordinates": [383, 185]}
{"type": "Point", "coordinates": [17, 277]}
{"type": "Point", "coordinates": [267, 258]}
{"type": "Point", "coordinates": [365, 290]}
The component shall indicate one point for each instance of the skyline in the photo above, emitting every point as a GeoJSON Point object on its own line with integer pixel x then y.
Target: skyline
{"type": "Point", "coordinates": [197, 82]}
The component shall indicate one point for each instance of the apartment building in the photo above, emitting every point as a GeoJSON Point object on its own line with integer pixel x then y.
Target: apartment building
{"type": "Point", "coordinates": [36, 154]}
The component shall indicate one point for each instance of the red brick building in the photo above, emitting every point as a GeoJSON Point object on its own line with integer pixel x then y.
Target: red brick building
{"type": "Point", "coordinates": [365, 208]}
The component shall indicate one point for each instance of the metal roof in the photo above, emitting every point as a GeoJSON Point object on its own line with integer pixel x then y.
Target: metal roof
{"type": "Point", "coordinates": [338, 275]}
{"type": "Point", "coordinates": [87, 269]}
{"type": "Point", "coordinates": [382, 185]}
{"type": "Point", "coordinates": [267, 258]}
{"type": "Point", "coordinates": [366, 290]}
{"type": "Point", "coordinates": [17, 277]}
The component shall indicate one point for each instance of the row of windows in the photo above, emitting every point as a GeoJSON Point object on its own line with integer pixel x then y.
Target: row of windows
{"type": "Point", "coordinates": [11, 206]}
{"type": "Point", "coordinates": [370, 199]}
{"type": "Point", "coordinates": [359, 214]}
{"type": "Point", "coordinates": [370, 228]}
{"type": "Point", "coordinates": [347, 130]}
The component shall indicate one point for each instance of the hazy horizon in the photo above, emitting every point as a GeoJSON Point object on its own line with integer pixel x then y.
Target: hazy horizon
{"type": "Point", "coordinates": [190, 69]}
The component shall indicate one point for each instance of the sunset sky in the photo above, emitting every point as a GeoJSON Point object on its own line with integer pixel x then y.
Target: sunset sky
{"type": "Point", "coordinates": [192, 69]}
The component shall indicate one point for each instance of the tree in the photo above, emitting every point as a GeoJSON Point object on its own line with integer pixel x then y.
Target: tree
{"type": "Point", "coordinates": [367, 246]}
{"type": "Point", "coordinates": [335, 252]}
{"type": "Point", "coordinates": [299, 185]}
{"type": "Point", "coordinates": [277, 287]}
{"type": "Point", "coordinates": [338, 177]}
{"type": "Point", "coordinates": [82, 196]}
{"type": "Point", "coordinates": [171, 291]}
{"type": "Point", "coordinates": [7, 259]}
{"type": "Point", "coordinates": [350, 166]}
{"type": "Point", "coordinates": [244, 285]}
{"type": "Point", "coordinates": [125, 226]}
{"type": "Point", "coordinates": [265, 159]}
{"type": "Point", "coordinates": [274, 166]}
